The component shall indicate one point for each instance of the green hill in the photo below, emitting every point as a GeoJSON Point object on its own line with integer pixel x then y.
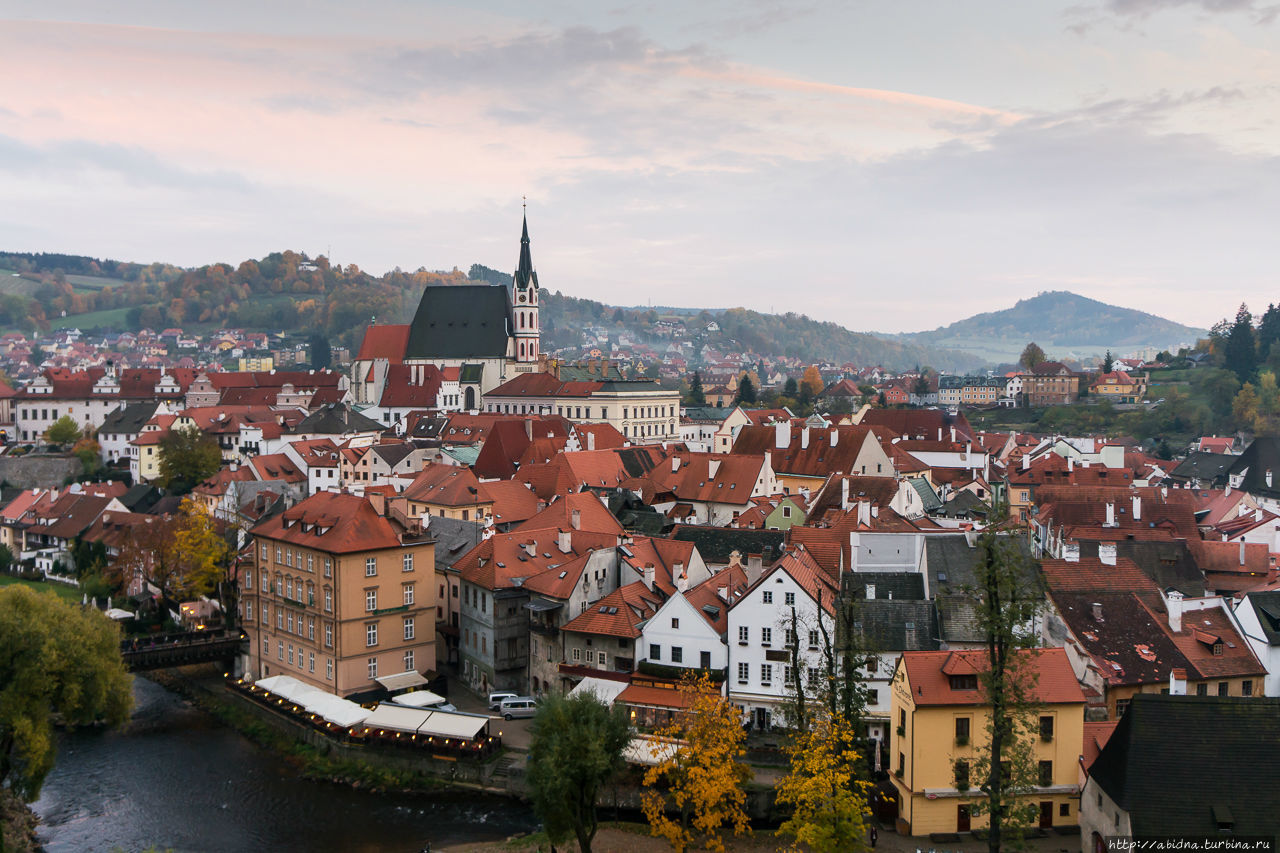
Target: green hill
{"type": "Point", "coordinates": [1064, 324]}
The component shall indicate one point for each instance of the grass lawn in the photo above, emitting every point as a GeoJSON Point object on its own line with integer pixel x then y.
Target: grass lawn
{"type": "Point", "coordinates": [67, 593]}
{"type": "Point", "coordinates": [114, 317]}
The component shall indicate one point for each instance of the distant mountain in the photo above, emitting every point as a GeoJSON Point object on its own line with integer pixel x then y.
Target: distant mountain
{"type": "Point", "coordinates": [1064, 324]}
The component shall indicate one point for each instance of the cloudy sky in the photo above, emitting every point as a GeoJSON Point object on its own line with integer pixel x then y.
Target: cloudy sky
{"type": "Point", "coordinates": [893, 165]}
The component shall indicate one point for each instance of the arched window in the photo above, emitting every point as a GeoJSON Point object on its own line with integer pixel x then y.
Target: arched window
{"type": "Point", "coordinates": [522, 349]}
{"type": "Point", "coordinates": [521, 313]}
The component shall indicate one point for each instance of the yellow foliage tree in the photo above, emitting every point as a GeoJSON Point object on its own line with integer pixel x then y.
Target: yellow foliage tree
{"type": "Point", "coordinates": [823, 788]}
{"type": "Point", "coordinates": [204, 552]}
{"type": "Point", "coordinates": [811, 382]}
{"type": "Point", "coordinates": [703, 778]}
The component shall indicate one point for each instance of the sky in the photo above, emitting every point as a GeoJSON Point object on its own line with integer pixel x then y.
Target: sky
{"type": "Point", "coordinates": [892, 165]}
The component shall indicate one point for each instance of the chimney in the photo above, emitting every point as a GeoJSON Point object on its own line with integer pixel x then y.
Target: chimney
{"type": "Point", "coordinates": [781, 435]}
{"type": "Point", "coordinates": [864, 513]}
{"type": "Point", "coordinates": [649, 574]}
{"type": "Point", "coordinates": [682, 583]}
{"type": "Point", "coordinates": [677, 569]}
{"type": "Point", "coordinates": [1242, 552]}
{"type": "Point", "coordinates": [804, 438]}
{"type": "Point", "coordinates": [1026, 462]}
{"type": "Point", "coordinates": [1071, 464]}
{"type": "Point", "coordinates": [754, 568]}
{"type": "Point", "coordinates": [871, 591]}
{"type": "Point", "coordinates": [528, 429]}
{"type": "Point", "coordinates": [844, 494]}
{"type": "Point", "coordinates": [1177, 682]}
{"type": "Point", "coordinates": [1111, 515]}
{"type": "Point", "coordinates": [531, 548]}
{"type": "Point", "coordinates": [1137, 507]}
{"type": "Point", "coordinates": [675, 464]}
{"type": "Point", "coordinates": [1173, 603]}
{"type": "Point", "coordinates": [1071, 552]}
{"type": "Point", "coordinates": [1107, 553]}
{"type": "Point", "coordinates": [953, 435]}
{"type": "Point", "coordinates": [970, 537]}
{"type": "Point", "coordinates": [591, 440]}
{"type": "Point", "coordinates": [1097, 612]}
{"type": "Point", "coordinates": [564, 540]}
{"type": "Point", "coordinates": [835, 436]}
{"type": "Point", "coordinates": [541, 503]}
{"type": "Point", "coordinates": [723, 593]}
{"type": "Point", "coordinates": [713, 468]}
{"type": "Point", "coordinates": [575, 519]}
{"type": "Point", "coordinates": [1268, 476]}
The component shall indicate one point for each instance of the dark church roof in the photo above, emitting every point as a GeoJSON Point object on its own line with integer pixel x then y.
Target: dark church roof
{"type": "Point", "coordinates": [461, 321]}
{"type": "Point", "coordinates": [525, 274]}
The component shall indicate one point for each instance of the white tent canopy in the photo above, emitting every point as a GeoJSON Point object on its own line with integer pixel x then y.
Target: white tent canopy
{"type": "Point", "coordinates": [335, 709]}
{"type": "Point", "coordinates": [401, 681]}
{"type": "Point", "coordinates": [397, 718]}
{"type": "Point", "coordinates": [421, 721]}
{"type": "Point", "coordinates": [419, 699]}
{"type": "Point", "coordinates": [602, 688]}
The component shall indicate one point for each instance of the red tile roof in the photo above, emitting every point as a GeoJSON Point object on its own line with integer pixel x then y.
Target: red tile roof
{"type": "Point", "coordinates": [618, 614]}
{"type": "Point", "coordinates": [930, 685]}
{"type": "Point", "coordinates": [387, 342]}
{"type": "Point", "coordinates": [332, 522]}
{"type": "Point", "coordinates": [592, 515]}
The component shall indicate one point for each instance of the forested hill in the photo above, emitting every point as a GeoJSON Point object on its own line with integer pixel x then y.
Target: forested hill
{"type": "Point", "coordinates": [289, 291]}
{"type": "Point", "coordinates": [1061, 323]}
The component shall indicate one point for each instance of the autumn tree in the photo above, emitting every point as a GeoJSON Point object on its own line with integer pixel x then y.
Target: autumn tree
{"type": "Point", "coordinates": [62, 432]}
{"type": "Point", "coordinates": [811, 384]}
{"type": "Point", "coordinates": [187, 457]}
{"type": "Point", "coordinates": [1008, 600]}
{"type": "Point", "coordinates": [1031, 356]}
{"type": "Point", "coordinates": [576, 748]}
{"type": "Point", "coordinates": [703, 778]}
{"type": "Point", "coordinates": [60, 662]}
{"type": "Point", "coordinates": [184, 555]}
{"type": "Point", "coordinates": [824, 788]}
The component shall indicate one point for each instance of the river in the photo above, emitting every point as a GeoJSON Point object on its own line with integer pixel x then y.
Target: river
{"type": "Point", "coordinates": [176, 779]}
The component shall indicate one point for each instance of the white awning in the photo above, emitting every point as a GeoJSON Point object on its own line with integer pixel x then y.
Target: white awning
{"type": "Point", "coordinates": [602, 688]}
{"type": "Point", "coordinates": [449, 724]}
{"type": "Point", "coordinates": [119, 615]}
{"type": "Point", "coordinates": [397, 718]}
{"type": "Point", "coordinates": [401, 681]}
{"type": "Point", "coordinates": [650, 750]}
{"type": "Point", "coordinates": [419, 699]}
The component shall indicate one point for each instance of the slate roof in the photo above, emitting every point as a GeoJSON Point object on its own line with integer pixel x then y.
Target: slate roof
{"type": "Point", "coordinates": [1210, 468]}
{"type": "Point", "coordinates": [951, 565]}
{"type": "Point", "coordinates": [454, 537]}
{"type": "Point", "coordinates": [461, 321]}
{"type": "Point", "coordinates": [1175, 760]}
{"type": "Point", "coordinates": [964, 504]}
{"type": "Point", "coordinates": [128, 420]}
{"type": "Point", "coordinates": [1266, 605]}
{"type": "Point", "coordinates": [336, 419]}
{"type": "Point", "coordinates": [1169, 564]}
{"type": "Point", "coordinates": [895, 625]}
{"type": "Point", "coordinates": [715, 544]}
{"type": "Point", "coordinates": [920, 423]}
{"type": "Point", "coordinates": [932, 503]}
{"type": "Point", "coordinates": [900, 586]}
{"type": "Point", "coordinates": [1261, 456]}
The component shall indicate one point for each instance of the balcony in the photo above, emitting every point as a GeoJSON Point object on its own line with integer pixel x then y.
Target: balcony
{"type": "Point", "coordinates": [545, 629]}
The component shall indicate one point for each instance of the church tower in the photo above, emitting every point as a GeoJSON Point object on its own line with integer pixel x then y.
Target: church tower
{"type": "Point", "coordinates": [524, 303]}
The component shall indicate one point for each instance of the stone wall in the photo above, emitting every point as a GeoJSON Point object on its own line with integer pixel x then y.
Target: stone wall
{"type": "Point", "coordinates": [45, 472]}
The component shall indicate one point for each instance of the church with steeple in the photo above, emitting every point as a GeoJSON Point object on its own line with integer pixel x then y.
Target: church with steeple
{"type": "Point", "coordinates": [464, 341]}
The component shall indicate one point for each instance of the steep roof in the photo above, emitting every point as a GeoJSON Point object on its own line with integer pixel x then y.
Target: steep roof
{"type": "Point", "coordinates": [1266, 606]}
{"type": "Point", "coordinates": [621, 613]}
{"type": "Point", "coordinates": [1160, 767]}
{"type": "Point", "coordinates": [930, 685]}
{"type": "Point", "coordinates": [384, 342]}
{"type": "Point", "coordinates": [333, 522]}
{"type": "Point", "coordinates": [808, 452]}
{"type": "Point", "coordinates": [336, 419]}
{"type": "Point", "coordinates": [461, 321]}
{"type": "Point", "coordinates": [513, 501]}
{"type": "Point", "coordinates": [715, 544]}
{"type": "Point", "coordinates": [447, 485]}
{"type": "Point", "coordinates": [920, 423]}
{"type": "Point", "coordinates": [591, 514]}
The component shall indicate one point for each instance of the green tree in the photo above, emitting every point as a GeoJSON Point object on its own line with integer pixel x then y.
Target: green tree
{"type": "Point", "coordinates": [1241, 351]}
{"type": "Point", "coordinates": [576, 748]}
{"type": "Point", "coordinates": [790, 388]}
{"type": "Point", "coordinates": [746, 391]}
{"type": "Point", "coordinates": [1268, 331]}
{"type": "Point", "coordinates": [1031, 356]}
{"type": "Point", "coordinates": [1108, 363]}
{"type": "Point", "coordinates": [62, 432]}
{"type": "Point", "coordinates": [62, 662]}
{"type": "Point", "coordinates": [697, 396]}
{"type": "Point", "coordinates": [321, 354]}
{"type": "Point", "coordinates": [188, 457]}
{"type": "Point", "coordinates": [1008, 602]}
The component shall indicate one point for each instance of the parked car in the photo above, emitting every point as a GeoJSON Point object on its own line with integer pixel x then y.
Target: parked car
{"type": "Point", "coordinates": [496, 699]}
{"type": "Point", "coordinates": [518, 707]}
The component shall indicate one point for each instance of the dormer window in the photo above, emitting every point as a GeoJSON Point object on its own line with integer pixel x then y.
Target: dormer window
{"type": "Point", "coordinates": [964, 682]}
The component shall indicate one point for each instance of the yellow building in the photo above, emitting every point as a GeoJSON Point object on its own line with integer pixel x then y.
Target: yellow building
{"type": "Point", "coordinates": [941, 722]}
{"type": "Point", "coordinates": [256, 364]}
{"type": "Point", "coordinates": [339, 596]}
{"type": "Point", "coordinates": [1121, 387]}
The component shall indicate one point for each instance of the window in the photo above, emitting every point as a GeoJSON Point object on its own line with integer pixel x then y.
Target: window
{"type": "Point", "coordinates": [813, 639]}
{"type": "Point", "coordinates": [677, 654]}
{"type": "Point", "coordinates": [1046, 728]}
{"type": "Point", "coordinates": [1246, 687]}
{"type": "Point", "coordinates": [576, 655]}
{"type": "Point", "coordinates": [766, 636]}
{"type": "Point", "coordinates": [789, 599]}
{"type": "Point", "coordinates": [655, 651]}
{"type": "Point", "coordinates": [289, 620]}
{"type": "Point", "coordinates": [603, 658]}
{"type": "Point", "coordinates": [328, 572]}
{"type": "Point", "coordinates": [371, 634]}
{"type": "Point", "coordinates": [311, 627]}
{"type": "Point", "coordinates": [279, 585]}
{"type": "Point", "coordinates": [1064, 810]}
{"type": "Point", "coordinates": [408, 627]}
{"type": "Point", "coordinates": [266, 584]}
{"type": "Point", "coordinates": [767, 597]}
{"type": "Point", "coordinates": [744, 634]}
{"type": "Point", "coordinates": [962, 729]}
{"type": "Point", "coordinates": [266, 646]}
{"type": "Point", "coordinates": [248, 580]}
{"type": "Point", "coordinates": [279, 619]}
{"type": "Point", "coordinates": [311, 595]}
{"type": "Point", "coordinates": [370, 600]}
{"type": "Point", "coordinates": [788, 675]}
{"type": "Point", "coordinates": [873, 697]}
{"type": "Point", "coordinates": [813, 674]}
{"type": "Point", "coordinates": [1046, 774]}
{"type": "Point", "coordinates": [705, 660]}
{"type": "Point", "coordinates": [408, 594]}
{"type": "Point", "coordinates": [279, 554]}
{"type": "Point", "coordinates": [373, 668]}
{"type": "Point", "coordinates": [266, 615]}
{"type": "Point", "coordinates": [311, 564]}
{"type": "Point", "coordinates": [766, 674]}
{"type": "Point", "coordinates": [791, 638]}
{"type": "Point", "coordinates": [1201, 690]}
{"type": "Point", "coordinates": [744, 673]}
{"type": "Point", "coordinates": [1222, 688]}
{"type": "Point", "coordinates": [675, 623]}
{"type": "Point", "coordinates": [1122, 705]}
{"type": "Point", "coordinates": [311, 661]}
{"type": "Point", "coordinates": [964, 682]}
{"type": "Point", "coordinates": [263, 551]}
{"type": "Point", "coordinates": [328, 601]}
{"type": "Point", "coordinates": [962, 775]}
{"type": "Point", "coordinates": [408, 660]}
{"type": "Point", "coordinates": [291, 654]}
{"type": "Point", "coordinates": [279, 650]}
{"type": "Point", "coordinates": [370, 566]}
{"type": "Point", "coordinates": [408, 562]}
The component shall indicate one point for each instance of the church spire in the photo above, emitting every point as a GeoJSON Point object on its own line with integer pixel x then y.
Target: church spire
{"type": "Point", "coordinates": [525, 274]}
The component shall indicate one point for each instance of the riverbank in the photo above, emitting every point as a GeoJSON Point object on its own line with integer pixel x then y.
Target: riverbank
{"type": "Point", "coordinates": [616, 837]}
{"type": "Point", "coordinates": [19, 824]}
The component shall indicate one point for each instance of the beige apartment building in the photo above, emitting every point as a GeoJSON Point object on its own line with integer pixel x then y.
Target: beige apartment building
{"type": "Point", "coordinates": [339, 596]}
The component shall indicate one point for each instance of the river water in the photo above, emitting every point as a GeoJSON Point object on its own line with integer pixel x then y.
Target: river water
{"type": "Point", "coordinates": [176, 779]}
